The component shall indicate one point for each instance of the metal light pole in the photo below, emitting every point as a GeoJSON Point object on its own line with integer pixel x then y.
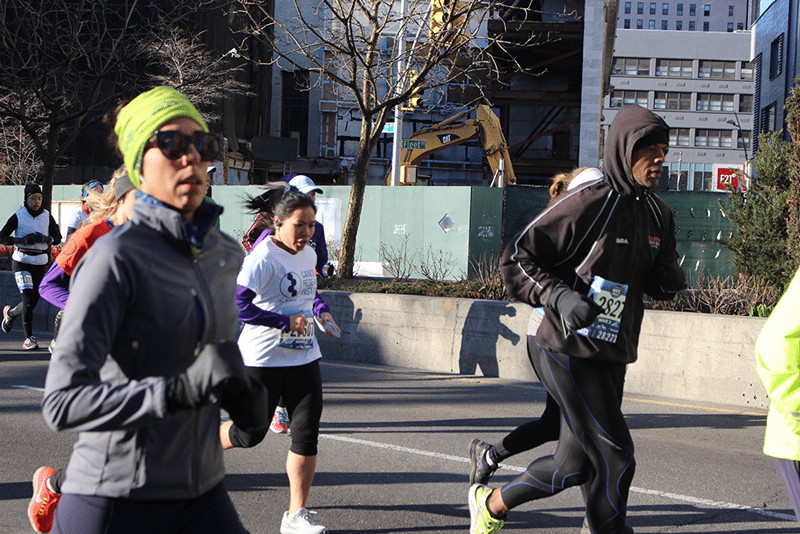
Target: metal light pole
{"type": "Point", "coordinates": [397, 142]}
{"type": "Point", "coordinates": [744, 141]}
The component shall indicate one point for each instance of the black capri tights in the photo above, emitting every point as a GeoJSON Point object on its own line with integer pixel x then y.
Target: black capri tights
{"type": "Point", "coordinates": [594, 443]}
{"type": "Point", "coordinates": [29, 288]}
{"type": "Point", "coordinates": [301, 389]}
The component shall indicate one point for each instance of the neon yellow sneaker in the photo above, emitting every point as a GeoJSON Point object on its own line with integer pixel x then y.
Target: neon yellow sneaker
{"type": "Point", "coordinates": [480, 520]}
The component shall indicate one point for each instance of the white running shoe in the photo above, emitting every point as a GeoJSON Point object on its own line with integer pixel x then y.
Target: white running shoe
{"type": "Point", "coordinates": [300, 523]}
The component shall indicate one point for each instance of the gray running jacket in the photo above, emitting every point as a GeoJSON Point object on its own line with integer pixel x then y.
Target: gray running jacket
{"type": "Point", "coordinates": [138, 300]}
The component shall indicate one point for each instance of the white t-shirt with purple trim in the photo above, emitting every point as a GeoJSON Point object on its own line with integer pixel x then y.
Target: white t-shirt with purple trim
{"type": "Point", "coordinates": [284, 283]}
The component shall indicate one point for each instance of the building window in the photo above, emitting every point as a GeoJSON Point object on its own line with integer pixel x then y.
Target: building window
{"type": "Point", "coordinates": [745, 103]}
{"type": "Point", "coordinates": [768, 118]}
{"type": "Point", "coordinates": [744, 139]}
{"type": "Point", "coordinates": [652, 8]}
{"type": "Point", "coordinates": [626, 24]}
{"type": "Point", "coordinates": [740, 25]}
{"type": "Point", "coordinates": [706, 26]}
{"type": "Point", "coordinates": [730, 11]}
{"type": "Point", "coordinates": [627, 8]}
{"type": "Point", "coordinates": [747, 70]}
{"type": "Point", "coordinates": [665, 9]}
{"type": "Point", "coordinates": [691, 25]}
{"type": "Point", "coordinates": [626, 98]}
{"type": "Point", "coordinates": [674, 101]}
{"type": "Point", "coordinates": [652, 25]}
{"type": "Point", "coordinates": [730, 27]}
{"type": "Point", "coordinates": [692, 10]}
{"type": "Point", "coordinates": [664, 24]}
{"type": "Point", "coordinates": [717, 69]}
{"type": "Point", "coordinates": [713, 138]}
{"type": "Point", "coordinates": [679, 10]}
{"type": "Point", "coordinates": [714, 102]}
{"type": "Point", "coordinates": [678, 24]}
{"type": "Point", "coordinates": [706, 10]}
{"type": "Point", "coordinates": [639, 24]}
{"type": "Point", "coordinates": [674, 68]}
{"type": "Point", "coordinates": [630, 66]}
{"type": "Point", "coordinates": [679, 137]}
{"type": "Point", "coordinates": [294, 107]}
{"type": "Point", "coordinates": [776, 57]}
{"type": "Point", "coordinates": [640, 8]}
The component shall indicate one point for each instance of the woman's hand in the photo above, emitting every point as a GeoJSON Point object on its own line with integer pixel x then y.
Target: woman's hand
{"type": "Point", "coordinates": [297, 323]}
{"type": "Point", "coordinates": [326, 318]}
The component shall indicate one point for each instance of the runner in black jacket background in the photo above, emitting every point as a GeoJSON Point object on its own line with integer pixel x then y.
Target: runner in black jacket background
{"type": "Point", "coordinates": [617, 237]}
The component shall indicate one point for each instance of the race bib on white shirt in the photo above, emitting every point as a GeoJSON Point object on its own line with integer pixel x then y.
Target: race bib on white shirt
{"type": "Point", "coordinates": [611, 297]}
{"type": "Point", "coordinates": [295, 340]}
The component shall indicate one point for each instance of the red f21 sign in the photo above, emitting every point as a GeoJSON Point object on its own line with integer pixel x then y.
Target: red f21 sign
{"type": "Point", "coordinates": [728, 175]}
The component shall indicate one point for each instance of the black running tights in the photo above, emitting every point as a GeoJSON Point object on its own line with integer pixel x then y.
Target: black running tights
{"type": "Point", "coordinates": [29, 287]}
{"type": "Point", "coordinates": [594, 443]}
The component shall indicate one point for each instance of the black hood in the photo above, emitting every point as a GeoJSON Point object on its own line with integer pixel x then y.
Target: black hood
{"type": "Point", "coordinates": [631, 124]}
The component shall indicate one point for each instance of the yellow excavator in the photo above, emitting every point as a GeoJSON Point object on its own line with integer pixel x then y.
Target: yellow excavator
{"type": "Point", "coordinates": [450, 132]}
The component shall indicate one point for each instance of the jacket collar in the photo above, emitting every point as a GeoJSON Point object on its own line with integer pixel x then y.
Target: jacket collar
{"type": "Point", "coordinates": [183, 234]}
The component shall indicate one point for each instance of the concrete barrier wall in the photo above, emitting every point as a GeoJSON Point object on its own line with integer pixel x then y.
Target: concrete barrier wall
{"type": "Point", "coordinates": [690, 357]}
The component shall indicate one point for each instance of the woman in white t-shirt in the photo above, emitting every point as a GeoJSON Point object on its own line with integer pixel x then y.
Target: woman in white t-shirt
{"type": "Point", "coordinates": [280, 309]}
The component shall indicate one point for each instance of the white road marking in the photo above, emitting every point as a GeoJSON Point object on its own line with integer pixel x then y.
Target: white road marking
{"type": "Point", "coordinates": [29, 387]}
{"type": "Point", "coordinates": [671, 496]}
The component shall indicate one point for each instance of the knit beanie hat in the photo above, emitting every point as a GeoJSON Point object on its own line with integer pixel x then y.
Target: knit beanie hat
{"type": "Point", "coordinates": [145, 114]}
{"type": "Point", "coordinates": [31, 189]}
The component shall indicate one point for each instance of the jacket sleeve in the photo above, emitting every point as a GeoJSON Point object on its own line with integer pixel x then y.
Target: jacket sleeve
{"type": "Point", "coordinates": [76, 397]}
{"type": "Point", "coordinates": [533, 262]}
{"type": "Point", "coordinates": [251, 314]}
{"type": "Point", "coordinates": [321, 247]}
{"type": "Point", "coordinates": [8, 229]}
{"type": "Point", "coordinates": [54, 287]}
{"type": "Point", "coordinates": [666, 278]}
{"type": "Point", "coordinates": [320, 306]}
{"type": "Point", "coordinates": [54, 231]}
{"type": "Point", "coordinates": [778, 353]}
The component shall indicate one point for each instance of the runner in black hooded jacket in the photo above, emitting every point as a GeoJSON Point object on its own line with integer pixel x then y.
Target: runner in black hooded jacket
{"type": "Point", "coordinates": [615, 229]}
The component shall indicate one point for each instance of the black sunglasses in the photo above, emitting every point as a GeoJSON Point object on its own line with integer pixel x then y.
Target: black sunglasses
{"type": "Point", "coordinates": [174, 144]}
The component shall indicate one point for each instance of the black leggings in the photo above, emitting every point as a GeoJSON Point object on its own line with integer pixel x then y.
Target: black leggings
{"type": "Point", "coordinates": [594, 445]}
{"type": "Point", "coordinates": [301, 389]}
{"type": "Point", "coordinates": [533, 433]}
{"type": "Point", "coordinates": [210, 513]}
{"type": "Point", "coordinates": [30, 295]}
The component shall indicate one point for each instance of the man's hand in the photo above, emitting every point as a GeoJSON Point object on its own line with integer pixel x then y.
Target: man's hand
{"type": "Point", "coordinates": [577, 310]}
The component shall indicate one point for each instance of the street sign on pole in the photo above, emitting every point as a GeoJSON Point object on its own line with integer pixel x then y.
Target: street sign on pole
{"type": "Point", "coordinates": [413, 144]}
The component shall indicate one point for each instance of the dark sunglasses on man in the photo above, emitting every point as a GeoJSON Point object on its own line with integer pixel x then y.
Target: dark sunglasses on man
{"type": "Point", "coordinates": [174, 144]}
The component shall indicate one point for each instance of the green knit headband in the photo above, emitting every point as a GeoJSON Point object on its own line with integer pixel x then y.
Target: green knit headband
{"type": "Point", "coordinates": [145, 114]}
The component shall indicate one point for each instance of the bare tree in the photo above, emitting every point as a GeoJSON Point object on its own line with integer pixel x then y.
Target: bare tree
{"type": "Point", "coordinates": [432, 44]}
{"type": "Point", "coordinates": [64, 63]}
{"type": "Point", "coordinates": [19, 162]}
{"type": "Point", "coordinates": [189, 66]}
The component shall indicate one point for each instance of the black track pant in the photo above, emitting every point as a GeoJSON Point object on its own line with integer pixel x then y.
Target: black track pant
{"type": "Point", "coordinates": [301, 389]}
{"type": "Point", "coordinates": [594, 443]}
{"type": "Point", "coordinates": [30, 295]}
{"type": "Point", "coordinates": [210, 513]}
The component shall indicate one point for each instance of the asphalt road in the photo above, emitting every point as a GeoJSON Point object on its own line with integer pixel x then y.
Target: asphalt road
{"type": "Point", "coordinates": [393, 456]}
